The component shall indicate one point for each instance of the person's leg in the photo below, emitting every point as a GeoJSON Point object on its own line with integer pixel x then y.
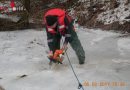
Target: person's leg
{"type": "Point", "coordinates": [76, 45]}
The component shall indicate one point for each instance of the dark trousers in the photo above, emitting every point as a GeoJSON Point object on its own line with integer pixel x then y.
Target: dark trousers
{"type": "Point", "coordinates": [75, 44]}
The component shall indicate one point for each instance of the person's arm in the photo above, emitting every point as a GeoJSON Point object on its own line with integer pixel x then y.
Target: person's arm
{"type": "Point", "coordinates": [50, 41]}
{"type": "Point", "coordinates": [68, 36]}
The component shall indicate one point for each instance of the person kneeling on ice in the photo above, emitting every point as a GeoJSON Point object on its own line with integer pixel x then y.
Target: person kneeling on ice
{"type": "Point", "coordinates": [58, 23]}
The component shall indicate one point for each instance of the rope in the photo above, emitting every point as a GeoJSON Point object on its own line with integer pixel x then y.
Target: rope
{"type": "Point", "coordinates": [80, 85]}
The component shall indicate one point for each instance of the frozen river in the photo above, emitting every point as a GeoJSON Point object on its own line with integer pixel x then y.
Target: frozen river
{"type": "Point", "coordinates": [22, 53]}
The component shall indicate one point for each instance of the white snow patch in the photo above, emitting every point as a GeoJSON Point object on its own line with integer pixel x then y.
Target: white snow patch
{"type": "Point", "coordinates": [118, 14]}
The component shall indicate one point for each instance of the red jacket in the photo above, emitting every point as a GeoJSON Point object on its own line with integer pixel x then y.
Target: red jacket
{"type": "Point", "coordinates": [61, 16]}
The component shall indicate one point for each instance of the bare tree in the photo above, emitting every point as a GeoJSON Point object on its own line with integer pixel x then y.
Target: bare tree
{"type": "Point", "coordinates": [24, 21]}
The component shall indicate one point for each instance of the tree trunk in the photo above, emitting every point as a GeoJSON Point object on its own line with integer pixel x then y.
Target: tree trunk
{"type": "Point", "coordinates": [26, 4]}
{"type": "Point", "coordinates": [24, 21]}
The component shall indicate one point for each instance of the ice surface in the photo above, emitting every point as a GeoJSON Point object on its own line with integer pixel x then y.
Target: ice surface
{"type": "Point", "coordinates": [24, 53]}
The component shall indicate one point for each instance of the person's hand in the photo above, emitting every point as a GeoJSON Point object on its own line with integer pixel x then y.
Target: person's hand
{"type": "Point", "coordinates": [50, 54]}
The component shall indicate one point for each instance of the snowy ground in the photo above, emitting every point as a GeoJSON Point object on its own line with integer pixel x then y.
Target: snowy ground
{"type": "Point", "coordinates": [114, 15]}
{"type": "Point", "coordinates": [23, 53]}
